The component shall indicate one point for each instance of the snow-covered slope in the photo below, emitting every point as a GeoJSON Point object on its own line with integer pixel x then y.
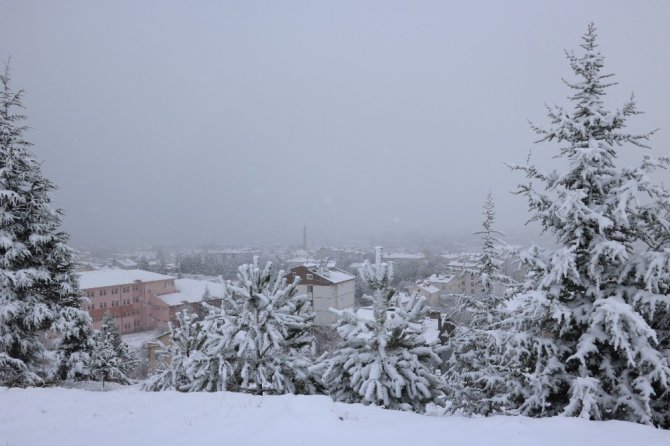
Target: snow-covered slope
{"type": "Point", "coordinates": [72, 417]}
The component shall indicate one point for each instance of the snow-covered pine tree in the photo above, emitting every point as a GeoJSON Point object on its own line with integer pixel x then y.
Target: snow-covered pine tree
{"type": "Point", "coordinates": [188, 368]}
{"type": "Point", "coordinates": [206, 295]}
{"type": "Point", "coordinates": [475, 381]}
{"type": "Point", "coordinates": [488, 259]}
{"type": "Point", "coordinates": [260, 338]}
{"type": "Point", "coordinates": [585, 338]}
{"type": "Point", "coordinates": [110, 359]}
{"type": "Point", "coordinates": [39, 289]}
{"type": "Point", "coordinates": [74, 342]}
{"type": "Point", "coordinates": [385, 361]}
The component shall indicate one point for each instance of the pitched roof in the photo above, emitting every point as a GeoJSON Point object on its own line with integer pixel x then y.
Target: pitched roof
{"type": "Point", "coordinates": [440, 278]}
{"type": "Point", "coordinates": [111, 277]}
{"type": "Point", "coordinates": [191, 290]}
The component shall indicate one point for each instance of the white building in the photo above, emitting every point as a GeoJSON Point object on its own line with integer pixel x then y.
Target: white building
{"type": "Point", "coordinates": [327, 287]}
{"type": "Point", "coordinates": [425, 289]}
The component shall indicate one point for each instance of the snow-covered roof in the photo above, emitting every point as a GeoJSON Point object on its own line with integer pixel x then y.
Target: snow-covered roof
{"type": "Point", "coordinates": [462, 265]}
{"type": "Point", "coordinates": [429, 288]}
{"type": "Point", "coordinates": [335, 275]}
{"type": "Point", "coordinates": [316, 263]}
{"type": "Point", "coordinates": [441, 278]}
{"type": "Point", "coordinates": [460, 256]}
{"type": "Point", "coordinates": [403, 256]}
{"type": "Point", "coordinates": [128, 263]}
{"type": "Point", "coordinates": [111, 277]}
{"type": "Point", "coordinates": [192, 290]}
{"type": "Point", "coordinates": [329, 272]}
{"type": "Point", "coordinates": [303, 260]}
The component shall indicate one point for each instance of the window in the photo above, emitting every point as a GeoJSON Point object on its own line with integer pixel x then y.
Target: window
{"type": "Point", "coordinates": [126, 290]}
{"type": "Point", "coordinates": [135, 288]}
{"type": "Point", "coordinates": [103, 292]}
{"type": "Point", "coordinates": [310, 277]}
{"type": "Point", "coordinates": [136, 299]}
{"type": "Point", "coordinates": [115, 291]}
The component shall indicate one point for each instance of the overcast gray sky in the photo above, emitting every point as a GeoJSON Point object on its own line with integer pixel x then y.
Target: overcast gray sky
{"type": "Point", "coordinates": [238, 122]}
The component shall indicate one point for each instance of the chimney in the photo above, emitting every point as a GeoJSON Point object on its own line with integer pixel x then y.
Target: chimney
{"type": "Point", "coordinates": [379, 254]}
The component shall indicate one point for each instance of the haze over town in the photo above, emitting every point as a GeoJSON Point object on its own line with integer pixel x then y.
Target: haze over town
{"type": "Point", "coordinates": [237, 123]}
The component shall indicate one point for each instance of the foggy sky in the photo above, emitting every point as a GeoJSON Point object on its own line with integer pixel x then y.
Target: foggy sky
{"type": "Point", "coordinates": [238, 122]}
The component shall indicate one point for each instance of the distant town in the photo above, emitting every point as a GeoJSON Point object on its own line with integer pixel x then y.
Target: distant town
{"type": "Point", "coordinates": [144, 289]}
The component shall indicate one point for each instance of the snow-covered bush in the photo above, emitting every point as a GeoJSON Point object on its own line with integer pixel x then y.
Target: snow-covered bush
{"type": "Point", "coordinates": [110, 359]}
{"type": "Point", "coordinates": [260, 336]}
{"type": "Point", "coordinates": [385, 361]}
{"type": "Point", "coordinates": [187, 366]}
{"type": "Point", "coordinates": [258, 341]}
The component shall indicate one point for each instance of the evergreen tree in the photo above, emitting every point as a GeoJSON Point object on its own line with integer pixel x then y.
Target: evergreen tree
{"type": "Point", "coordinates": [188, 367]}
{"type": "Point", "coordinates": [207, 295]}
{"type": "Point", "coordinates": [39, 289]}
{"type": "Point", "coordinates": [476, 382]}
{"type": "Point", "coordinates": [260, 337]}
{"type": "Point", "coordinates": [75, 344]}
{"type": "Point", "coordinates": [110, 359]}
{"type": "Point", "coordinates": [585, 337]}
{"type": "Point", "coordinates": [385, 361]}
{"type": "Point", "coordinates": [488, 259]}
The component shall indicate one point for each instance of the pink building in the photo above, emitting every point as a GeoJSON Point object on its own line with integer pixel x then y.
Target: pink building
{"type": "Point", "coordinates": [140, 300]}
{"type": "Point", "coordinates": [127, 295]}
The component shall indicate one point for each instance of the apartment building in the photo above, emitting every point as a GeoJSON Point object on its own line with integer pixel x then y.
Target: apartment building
{"type": "Point", "coordinates": [327, 287]}
{"type": "Point", "coordinates": [140, 300]}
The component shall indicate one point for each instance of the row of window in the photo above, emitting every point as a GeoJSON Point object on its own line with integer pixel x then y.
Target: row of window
{"type": "Point", "coordinates": [123, 314]}
{"type": "Point", "coordinates": [134, 325]}
{"type": "Point", "coordinates": [124, 290]}
{"type": "Point", "coordinates": [118, 303]}
{"type": "Point", "coordinates": [126, 314]}
{"type": "Point", "coordinates": [115, 303]}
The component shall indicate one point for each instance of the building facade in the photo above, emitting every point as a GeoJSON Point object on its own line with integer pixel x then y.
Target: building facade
{"type": "Point", "coordinates": [327, 287]}
{"type": "Point", "coordinates": [140, 300]}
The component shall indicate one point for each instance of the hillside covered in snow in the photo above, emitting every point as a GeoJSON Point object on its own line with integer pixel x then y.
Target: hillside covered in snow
{"type": "Point", "coordinates": [127, 416]}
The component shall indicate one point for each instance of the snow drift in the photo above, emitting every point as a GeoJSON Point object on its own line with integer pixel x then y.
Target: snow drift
{"type": "Point", "coordinates": [127, 416]}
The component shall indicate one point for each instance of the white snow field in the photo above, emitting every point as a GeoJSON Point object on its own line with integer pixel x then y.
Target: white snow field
{"type": "Point", "coordinates": [128, 416]}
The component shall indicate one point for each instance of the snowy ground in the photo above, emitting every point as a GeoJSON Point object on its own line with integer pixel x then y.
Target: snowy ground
{"type": "Point", "coordinates": [127, 416]}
